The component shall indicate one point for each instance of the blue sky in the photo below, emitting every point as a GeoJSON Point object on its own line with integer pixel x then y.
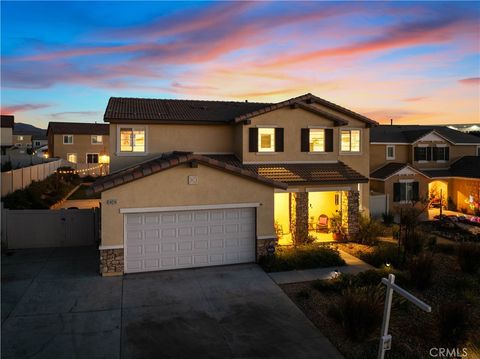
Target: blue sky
{"type": "Point", "coordinates": [415, 62]}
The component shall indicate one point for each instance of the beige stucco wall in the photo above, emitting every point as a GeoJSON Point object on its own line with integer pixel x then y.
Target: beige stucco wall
{"type": "Point", "coordinates": [82, 144]}
{"type": "Point", "coordinates": [422, 187]}
{"type": "Point", "coordinates": [378, 155]}
{"type": "Point", "coordinates": [6, 136]}
{"type": "Point", "coordinates": [460, 189]}
{"type": "Point", "coordinates": [170, 188]}
{"type": "Point", "coordinates": [166, 137]}
{"type": "Point", "coordinates": [25, 142]}
{"type": "Point", "coordinates": [293, 120]}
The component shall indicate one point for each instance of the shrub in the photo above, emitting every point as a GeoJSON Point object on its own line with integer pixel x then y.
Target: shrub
{"type": "Point", "coordinates": [301, 257]}
{"type": "Point", "coordinates": [304, 294]}
{"type": "Point", "coordinates": [421, 271]}
{"type": "Point", "coordinates": [469, 257]}
{"type": "Point", "coordinates": [415, 242]}
{"type": "Point", "coordinates": [359, 311]}
{"type": "Point", "coordinates": [445, 248]}
{"type": "Point", "coordinates": [453, 322]}
{"type": "Point", "coordinates": [368, 230]}
{"type": "Point", "coordinates": [374, 277]}
{"type": "Point", "coordinates": [333, 285]}
{"type": "Point", "coordinates": [383, 254]}
{"type": "Point", "coordinates": [388, 218]}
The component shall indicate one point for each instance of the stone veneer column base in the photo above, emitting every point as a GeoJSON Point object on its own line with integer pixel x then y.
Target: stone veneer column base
{"type": "Point", "coordinates": [111, 262]}
{"type": "Point", "coordinates": [263, 244]}
{"type": "Point", "coordinates": [353, 212]}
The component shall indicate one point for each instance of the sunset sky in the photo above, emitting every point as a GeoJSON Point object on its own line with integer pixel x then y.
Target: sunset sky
{"type": "Point", "coordinates": [415, 62]}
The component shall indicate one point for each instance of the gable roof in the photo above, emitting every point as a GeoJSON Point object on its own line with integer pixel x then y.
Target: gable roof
{"type": "Point", "coordinates": [391, 169]}
{"type": "Point", "coordinates": [170, 160]}
{"type": "Point", "coordinates": [78, 128]}
{"type": "Point", "coordinates": [121, 109]}
{"type": "Point", "coordinates": [7, 121]}
{"type": "Point", "coordinates": [409, 134]}
{"type": "Point", "coordinates": [299, 173]}
{"type": "Point", "coordinates": [466, 166]}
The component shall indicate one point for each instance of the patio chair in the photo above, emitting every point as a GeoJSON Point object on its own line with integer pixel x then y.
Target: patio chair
{"type": "Point", "coordinates": [322, 223]}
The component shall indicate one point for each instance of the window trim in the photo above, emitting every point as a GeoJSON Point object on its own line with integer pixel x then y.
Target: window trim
{"type": "Point", "coordinates": [309, 134]}
{"type": "Point", "coordinates": [67, 143]}
{"type": "Point", "coordinates": [134, 128]}
{"type": "Point", "coordinates": [96, 143]}
{"type": "Point", "coordinates": [272, 140]}
{"type": "Point", "coordinates": [92, 153]}
{"type": "Point", "coordinates": [72, 153]}
{"type": "Point", "coordinates": [389, 158]}
{"type": "Point", "coordinates": [360, 130]}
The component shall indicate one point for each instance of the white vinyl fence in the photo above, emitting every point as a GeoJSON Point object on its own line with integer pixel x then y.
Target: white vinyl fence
{"type": "Point", "coordinates": [378, 204]}
{"type": "Point", "coordinates": [42, 228]}
{"type": "Point", "coordinates": [22, 177]}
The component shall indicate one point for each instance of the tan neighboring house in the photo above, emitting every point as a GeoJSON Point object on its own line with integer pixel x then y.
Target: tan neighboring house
{"type": "Point", "coordinates": [203, 183]}
{"type": "Point", "coordinates": [7, 122]}
{"type": "Point", "coordinates": [78, 143]}
{"type": "Point", "coordinates": [425, 162]}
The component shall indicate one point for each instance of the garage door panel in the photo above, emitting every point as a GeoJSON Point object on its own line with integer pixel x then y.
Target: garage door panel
{"type": "Point", "coordinates": [183, 239]}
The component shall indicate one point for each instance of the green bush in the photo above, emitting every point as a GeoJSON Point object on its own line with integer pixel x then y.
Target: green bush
{"type": "Point", "coordinates": [368, 230]}
{"type": "Point", "coordinates": [421, 271]}
{"type": "Point", "coordinates": [384, 253]}
{"type": "Point", "coordinates": [454, 322]}
{"type": "Point", "coordinates": [359, 310]}
{"type": "Point", "coordinates": [301, 257]}
{"type": "Point", "coordinates": [469, 257]}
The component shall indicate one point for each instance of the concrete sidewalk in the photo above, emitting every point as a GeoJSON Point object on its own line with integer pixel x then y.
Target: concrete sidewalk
{"type": "Point", "coordinates": [354, 266]}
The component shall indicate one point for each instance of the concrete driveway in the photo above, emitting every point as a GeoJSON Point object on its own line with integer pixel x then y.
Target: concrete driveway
{"type": "Point", "coordinates": [55, 305]}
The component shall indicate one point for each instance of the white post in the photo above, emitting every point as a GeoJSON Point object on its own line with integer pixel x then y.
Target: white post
{"type": "Point", "coordinates": [385, 338]}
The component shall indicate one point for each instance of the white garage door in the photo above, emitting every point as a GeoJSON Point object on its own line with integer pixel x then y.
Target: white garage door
{"type": "Point", "coordinates": [184, 239]}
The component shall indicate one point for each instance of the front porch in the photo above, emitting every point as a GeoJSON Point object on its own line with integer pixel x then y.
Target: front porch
{"type": "Point", "coordinates": [315, 213]}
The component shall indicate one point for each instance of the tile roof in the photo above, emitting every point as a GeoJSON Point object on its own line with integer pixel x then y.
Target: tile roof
{"type": "Point", "coordinates": [411, 133]}
{"type": "Point", "coordinates": [120, 109]}
{"type": "Point", "coordinates": [7, 121]}
{"type": "Point", "coordinates": [390, 169]}
{"type": "Point", "coordinates": [79, 128]}
{"type": "Point", "coordinates": [466, 166]}
{"type": "Point", "coordinates": [299, 173]}
{"type": "Point", "coordinates": [170, 160]}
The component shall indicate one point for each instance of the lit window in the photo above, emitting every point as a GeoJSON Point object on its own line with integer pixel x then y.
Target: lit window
{"type": "Point", "coordinates": [20, 138]}
{"type": "Point", "coordinates": [317, 140]}
{"type": "Point", "coordinates": [390, 152]}
{"type": "Point", "coordinates": [67, 139]}
{"type": "Point", "coordinates": [97, 139]}
{"type": "Point", "coordinates": [92, 157]}
{"type": "Point", "coordinates": [266, 139]}
{"type": "Point", "coordinates": [350, 140]}
{"type": "Point", "coordinates": [72, 157]}
{"type": "Point", "coordinates": [132, 140]}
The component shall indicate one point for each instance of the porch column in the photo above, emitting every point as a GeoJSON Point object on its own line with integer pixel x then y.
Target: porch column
{"type": "Point", "coordinates": [350, 216]}
{"type": "Point", "coordinates": [299, 218]}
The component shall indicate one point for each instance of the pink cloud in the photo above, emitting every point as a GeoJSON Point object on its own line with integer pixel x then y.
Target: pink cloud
{"type": "Point", "coordinates": [12, 109]}
{"type": "Point", "coordinates": [414, 99]}
{"type": "Point", "coordinates": [470, 81]}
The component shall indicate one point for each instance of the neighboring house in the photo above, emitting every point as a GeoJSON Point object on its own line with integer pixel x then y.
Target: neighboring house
{"type": "Point", "coordinates": [82, 143]}
{"type": "Point", "coordinates": [39, 140]}
{"type": "Point", "coordinates": [7, 122]}
{"type": "Point", "coordinates": [201, 183]}
{"type": "Point", "coordinates": [421, 162]}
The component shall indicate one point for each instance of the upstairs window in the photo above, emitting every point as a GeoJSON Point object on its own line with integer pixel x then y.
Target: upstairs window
{"type": "Point", "coordinates": [317, 140]}
{"type": "Point", "coordinates": [441, 153]}
{"type": "Point", "coordinates": [67, 139]}
{"type": "Point", "coordinates": [390, 152]}
{"type": "Point", "coordinates": [132, 140]}
{"type": "Point", "coordinates": [350, 140]}
{"type": "Point", "coordinates": [265, 139]}
{"type": "Point", "coordinates": [97, 139]}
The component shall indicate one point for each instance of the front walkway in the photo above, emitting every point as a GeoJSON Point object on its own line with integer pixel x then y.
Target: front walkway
{"type": "Point", "coordinates": [354, 266]}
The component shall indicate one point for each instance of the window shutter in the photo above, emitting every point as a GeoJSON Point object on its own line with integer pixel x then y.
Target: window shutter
{"type": "Point", "coordinates": [305, 140]}
{"type": "Point", "coordinates": [253, 139]}
{"type": "Point", "coordinates": [435, 153]}
{"type": "Point", "coordinates": [429, 153]}
{"type": "Point", "coordinates": [396, 192]}
{"type": "Point", "coordinates": [447, 153]}
{"type": "Point", "coordinates": [278, 139]}
{"type": "Point", "coordinates": [415, 194]}
{"type": "Point", "coordinates": [329, 140]}
{"type": "Point", "coordinates": [415, 153]}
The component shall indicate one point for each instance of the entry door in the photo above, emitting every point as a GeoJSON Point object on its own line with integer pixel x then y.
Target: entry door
{"type": "Point", "coordinates": [185, 239]}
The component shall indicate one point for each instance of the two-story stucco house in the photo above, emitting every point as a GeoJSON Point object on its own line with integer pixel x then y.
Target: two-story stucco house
{"type": "Point", "coordinates": [80, 143]}
{"type": "Point", "coordinates": [202, 183]}
{"type": "Point", "coordinates": [423, 162]}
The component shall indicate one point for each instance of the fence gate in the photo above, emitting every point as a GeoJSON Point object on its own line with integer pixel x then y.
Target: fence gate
{"type": "Point", "coordinates": [42, 228]}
